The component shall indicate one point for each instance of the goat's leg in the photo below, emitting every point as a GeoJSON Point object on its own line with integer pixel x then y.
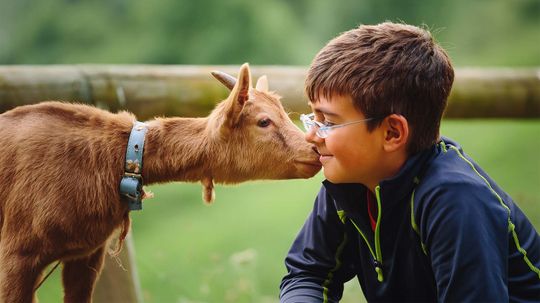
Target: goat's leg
{"type": "Point", "coordinates": [18, 276]}
{"type": "Point", "coordinates": [79, 276]}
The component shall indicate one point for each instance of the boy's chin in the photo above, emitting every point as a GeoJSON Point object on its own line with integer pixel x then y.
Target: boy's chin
{"type": "Point", "coordinates": [334, 177]}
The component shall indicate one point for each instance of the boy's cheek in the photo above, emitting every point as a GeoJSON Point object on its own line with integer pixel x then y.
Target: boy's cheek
{"type": "Point", "coordinates": [333, 172]}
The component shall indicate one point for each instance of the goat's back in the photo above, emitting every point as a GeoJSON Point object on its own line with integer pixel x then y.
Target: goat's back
{"type": "Point", "coordinates": [60, 166]}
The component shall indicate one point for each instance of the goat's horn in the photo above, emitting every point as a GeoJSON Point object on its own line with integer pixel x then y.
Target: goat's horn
{"type": "Point", "coordinates": [227, 80]}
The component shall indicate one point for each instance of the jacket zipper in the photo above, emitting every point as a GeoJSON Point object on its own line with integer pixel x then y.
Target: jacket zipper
{"type": "Point", "coordinates": [377, 254]}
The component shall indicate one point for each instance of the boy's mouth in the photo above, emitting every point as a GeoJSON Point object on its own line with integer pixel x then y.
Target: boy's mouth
{"type": "Point", "coordinates": [324, 157]}
{"type": "Point", "coordinates": [322, 153]}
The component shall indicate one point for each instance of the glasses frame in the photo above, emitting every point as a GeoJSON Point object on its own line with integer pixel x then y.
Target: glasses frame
{"type": "Point", "coordinates": [324, 131]}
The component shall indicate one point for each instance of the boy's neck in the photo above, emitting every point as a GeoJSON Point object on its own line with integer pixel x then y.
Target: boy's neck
{"type": "Point", "coordinates": [389, 169]}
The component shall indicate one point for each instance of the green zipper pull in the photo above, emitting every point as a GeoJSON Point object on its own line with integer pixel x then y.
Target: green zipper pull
{"type": "Point", "coordinates": [379, 274]}
{"type": "Point", "coordinates": [378, 269]}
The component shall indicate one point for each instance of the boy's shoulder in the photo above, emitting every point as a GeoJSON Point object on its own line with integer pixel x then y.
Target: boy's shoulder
{"type": "Point", "coordinates": [453, 177]}
{"type": "Point", "coordinates": [451, 166]}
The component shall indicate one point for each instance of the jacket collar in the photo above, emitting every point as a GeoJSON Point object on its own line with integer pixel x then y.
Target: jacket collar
{"type": "Point", "coordinates": [392, 190]}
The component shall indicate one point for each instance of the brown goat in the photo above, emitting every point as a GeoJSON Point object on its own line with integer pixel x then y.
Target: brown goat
{"type": "Point", "coordinates": [61, 165]}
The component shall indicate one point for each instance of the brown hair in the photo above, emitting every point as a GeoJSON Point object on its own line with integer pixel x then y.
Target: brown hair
{"type": "Point", "coordinates": [387, 69]}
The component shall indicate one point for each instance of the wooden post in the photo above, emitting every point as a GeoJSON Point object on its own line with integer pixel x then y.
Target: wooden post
{"type": "Point", "coordinates": [149, 90]}
{"type": "Point", "coordinates": [119, 281]}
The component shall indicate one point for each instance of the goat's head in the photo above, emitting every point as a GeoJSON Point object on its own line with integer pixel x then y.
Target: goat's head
{"type": "Point", "coordinates": [257, 139]}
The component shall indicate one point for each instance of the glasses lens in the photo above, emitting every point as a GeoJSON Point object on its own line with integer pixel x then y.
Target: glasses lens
{"type": "Point", "coordinates": [307, 126]}
{"type": "Point", "coordinates": [323, 133]}
{"type": "Point", "coordinates": [307, 122]}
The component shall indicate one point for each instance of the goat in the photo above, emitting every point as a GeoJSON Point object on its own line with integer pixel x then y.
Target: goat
{"type": "Point", "coordinates": [61, 166]}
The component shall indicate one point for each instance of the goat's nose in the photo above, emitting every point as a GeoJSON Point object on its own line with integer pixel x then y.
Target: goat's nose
{"type": "Point", "coordinates": [314, 148]}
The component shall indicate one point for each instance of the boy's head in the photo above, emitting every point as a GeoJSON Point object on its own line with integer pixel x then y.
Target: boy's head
{"type": "Point", "coordinates": [387, 69]}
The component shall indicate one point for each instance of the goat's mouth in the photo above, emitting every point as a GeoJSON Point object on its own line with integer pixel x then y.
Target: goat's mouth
{"type": "Point", "coordinates": [308, 162]}
{"type": "Point", "coordinates": [308, 168]}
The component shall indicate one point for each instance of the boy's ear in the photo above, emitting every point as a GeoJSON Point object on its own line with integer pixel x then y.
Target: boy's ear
{"type": "Point", "coordinates": [396, 133]}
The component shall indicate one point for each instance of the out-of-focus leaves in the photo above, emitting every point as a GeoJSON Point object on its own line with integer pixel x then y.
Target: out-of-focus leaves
{"type": "Point", "coordinates": [494, 32]}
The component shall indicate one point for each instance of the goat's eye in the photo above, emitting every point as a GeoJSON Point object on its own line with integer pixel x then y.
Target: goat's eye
{"type": "Point", "coordinates": [264, 122]}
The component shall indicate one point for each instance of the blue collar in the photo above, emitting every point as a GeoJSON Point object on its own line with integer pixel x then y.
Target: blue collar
{"type": "Point", "coordinates": [131, 185]}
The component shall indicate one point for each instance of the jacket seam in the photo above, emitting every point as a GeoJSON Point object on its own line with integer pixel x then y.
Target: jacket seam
{"type": "Point", "coordinates": [511, 226]}
{"type": "Point", "coordinates": [365, 239]}
{"type": "Point", "coordinates": [415, 226]}
{"type": "Point", "coordinates": [330, 275]}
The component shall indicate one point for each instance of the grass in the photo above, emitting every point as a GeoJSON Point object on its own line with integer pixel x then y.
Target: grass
{"type": "Point", "coordinates": [233, 250]}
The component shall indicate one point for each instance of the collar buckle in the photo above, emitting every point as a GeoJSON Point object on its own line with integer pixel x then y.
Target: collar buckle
{"type": "Point", "coordinates": [131, 190]}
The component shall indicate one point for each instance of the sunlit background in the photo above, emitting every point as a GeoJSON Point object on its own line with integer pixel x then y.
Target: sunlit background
{"type": "Point", "coordinates": [233, 251]}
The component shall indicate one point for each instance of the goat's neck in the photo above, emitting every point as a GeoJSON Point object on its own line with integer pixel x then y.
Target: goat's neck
{"type": "Point", "coordinates": [176, 150]}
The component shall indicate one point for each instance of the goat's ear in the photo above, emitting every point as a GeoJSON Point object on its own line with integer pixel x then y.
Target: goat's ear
{"type": "Point", "coordinates": [262, 84]}
{"type": "Point", "coordinates": [239, 95]}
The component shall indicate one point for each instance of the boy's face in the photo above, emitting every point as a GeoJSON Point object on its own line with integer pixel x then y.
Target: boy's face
{"type": "Point", "coordinates": [350, 154]}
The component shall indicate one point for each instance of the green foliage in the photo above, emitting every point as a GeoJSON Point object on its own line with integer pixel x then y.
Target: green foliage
{"type": "Point", "coordinates": [233, 250]}
{"type": "Point", "coordinates": [485, 32]}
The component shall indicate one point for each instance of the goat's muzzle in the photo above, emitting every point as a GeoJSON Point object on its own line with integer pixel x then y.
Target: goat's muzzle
{"type": "Point", "coordinates": [307, 168]}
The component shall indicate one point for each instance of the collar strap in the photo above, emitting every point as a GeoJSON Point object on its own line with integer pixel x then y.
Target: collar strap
{"type": "Point", "coordinates": [131, 185]}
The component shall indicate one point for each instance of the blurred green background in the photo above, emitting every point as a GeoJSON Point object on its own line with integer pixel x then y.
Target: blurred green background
{"type": "Point", "coordinates": [475, 33]}
{"type": "Point", "coordinates": [233, 251]}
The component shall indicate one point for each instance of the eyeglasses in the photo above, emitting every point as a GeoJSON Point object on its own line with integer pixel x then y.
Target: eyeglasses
{"type": "Point", "coordinates": [323, 131]}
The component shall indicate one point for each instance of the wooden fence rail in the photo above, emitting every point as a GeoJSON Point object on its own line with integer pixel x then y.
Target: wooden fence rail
{"type": "Point", "coordinates": [150, 90]}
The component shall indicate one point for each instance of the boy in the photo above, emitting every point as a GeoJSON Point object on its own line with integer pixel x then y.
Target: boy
{"type": "Point", "coordinates": [403, 209]}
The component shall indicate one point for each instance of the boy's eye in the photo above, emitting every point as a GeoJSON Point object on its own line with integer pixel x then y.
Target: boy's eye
{"type": "Point", "coordinates": [321, 119]}
{"type": "Point", "coordinates": [318, 118]}
{"type": "Point", "coordinates": [328, 123]}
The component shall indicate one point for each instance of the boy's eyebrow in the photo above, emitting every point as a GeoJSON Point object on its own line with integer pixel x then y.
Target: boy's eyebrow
{"type": "Point", "coordinates": [325, 112]}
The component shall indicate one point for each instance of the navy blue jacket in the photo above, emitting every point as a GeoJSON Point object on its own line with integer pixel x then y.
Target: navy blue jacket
{"type": "Point", "coordinates": [445, 232]}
